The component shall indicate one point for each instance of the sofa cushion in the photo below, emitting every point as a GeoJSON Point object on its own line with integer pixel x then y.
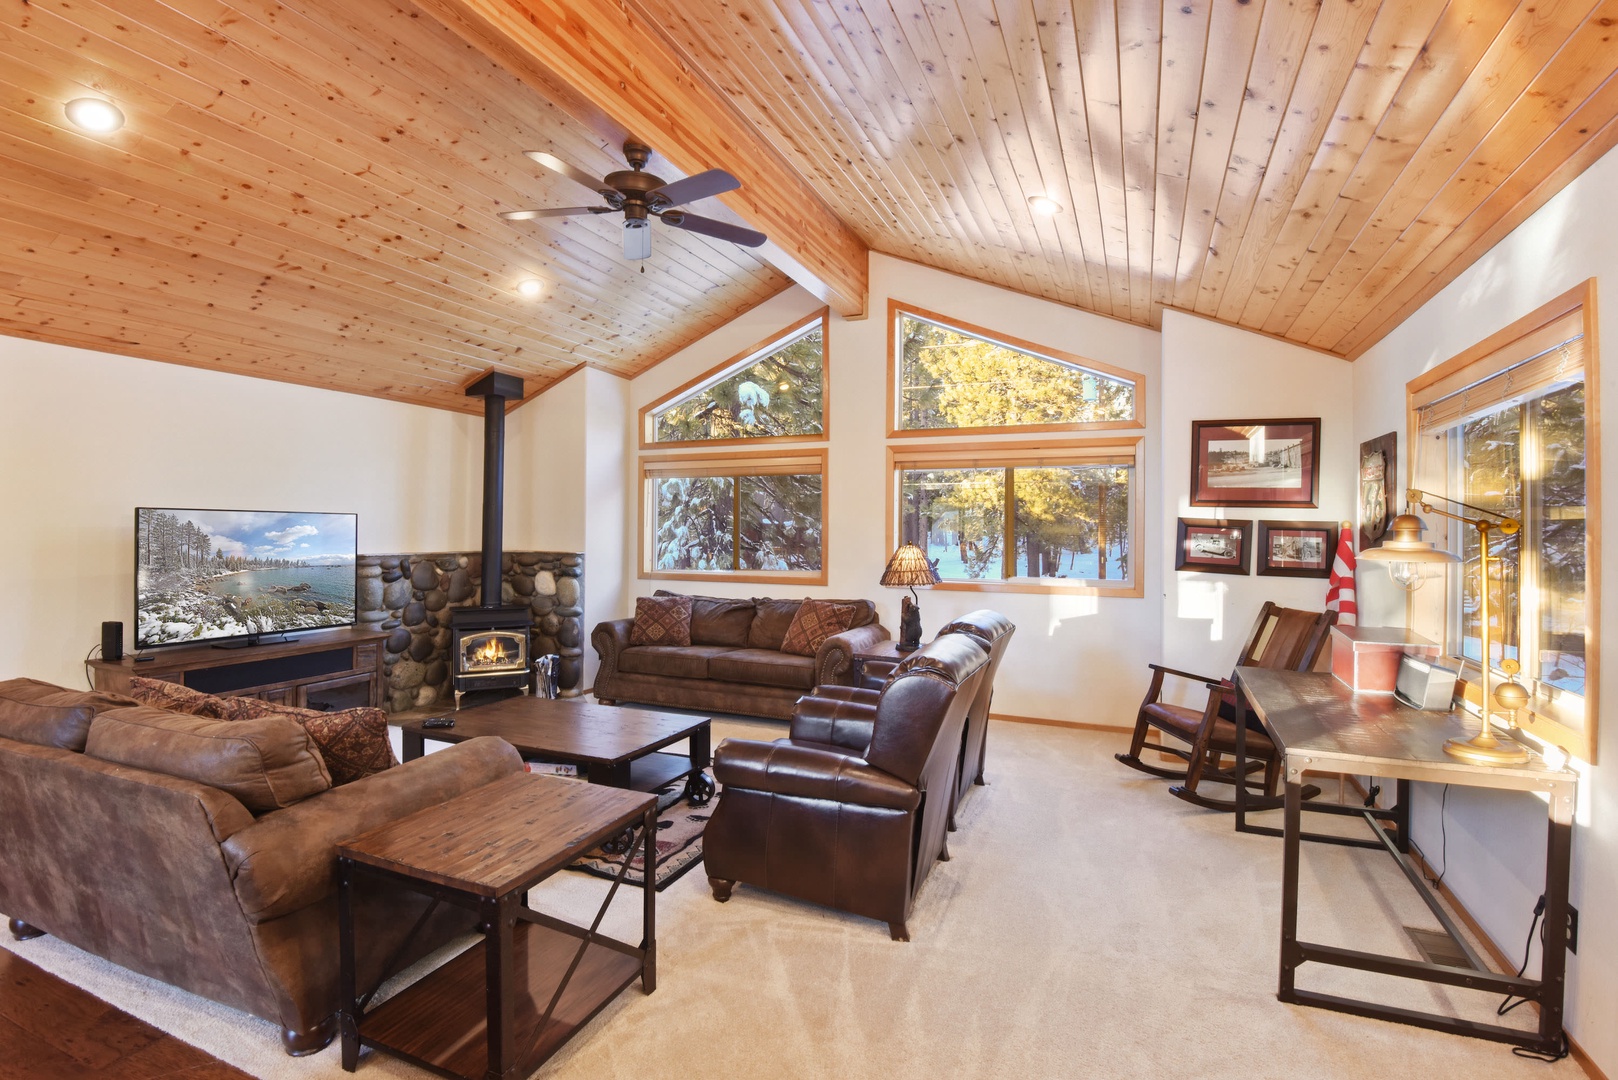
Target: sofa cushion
{"type": "Point", "coordinates": [267, 763]}
{"type": "Point", "coordinates": [353, 742]}
{"type": "Point", "coordinates": [175, 698]}
{"type": "Point", "coordinates": [48, 715]}
{"type": "Point", "coordinates": [764, 667]}
{"type": "Point", "coordinates": [771, 621]}
{"type": "Point", "coordinates": [816, 621]}
{"type": "Point", "coordinates": [671, 661]}
{"type": "Point", "coordinates": [661, 620]}
{"type": "Point", "coordinates": [718, 620]}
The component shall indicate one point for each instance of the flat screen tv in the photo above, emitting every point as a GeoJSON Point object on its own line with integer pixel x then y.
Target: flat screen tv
{"type": "Point", "coordinates": [238, 575]}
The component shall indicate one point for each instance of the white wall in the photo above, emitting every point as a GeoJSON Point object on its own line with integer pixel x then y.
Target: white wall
{"type": "Point", "coordinates": [1217, 372]}
{"type": "Point", "coordinates": [1496, 841]}
{"type": "Point", "coordinates": [1075, 658]}
{"type": "Point", "coordinates": [86, 437]}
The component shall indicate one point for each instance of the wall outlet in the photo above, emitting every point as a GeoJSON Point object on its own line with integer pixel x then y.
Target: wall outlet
{"type": "Point", "coordinates": [1572, 929]}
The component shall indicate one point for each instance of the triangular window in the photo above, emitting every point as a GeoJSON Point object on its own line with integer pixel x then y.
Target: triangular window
{"type": "Point", "coordinates": [959, 378]}
{"type": "Point", "coordinates": [776, 390]}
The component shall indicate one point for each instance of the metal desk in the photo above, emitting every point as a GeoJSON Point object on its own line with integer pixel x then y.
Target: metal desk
{"type": "Point", "coordinates": [1318, 723]}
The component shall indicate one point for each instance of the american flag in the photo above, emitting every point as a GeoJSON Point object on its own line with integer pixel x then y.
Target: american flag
{"type": "Point", "coordinates": [1340, 596]}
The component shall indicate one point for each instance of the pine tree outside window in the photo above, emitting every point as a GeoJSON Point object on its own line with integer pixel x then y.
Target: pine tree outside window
{"type": "Point", "coordinates": [946, 375]}
{"type": "Point", "coordinates": [772, 392]}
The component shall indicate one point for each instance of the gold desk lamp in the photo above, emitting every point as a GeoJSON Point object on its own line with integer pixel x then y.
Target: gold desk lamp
{"type": "Point", "coordinates": [1408, 558]}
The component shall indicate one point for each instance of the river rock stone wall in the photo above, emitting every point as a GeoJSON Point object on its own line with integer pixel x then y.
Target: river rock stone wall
{"type": "Point", "coordinates": [410, 596]}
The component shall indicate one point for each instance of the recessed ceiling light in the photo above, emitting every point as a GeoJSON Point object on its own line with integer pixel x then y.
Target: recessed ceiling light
{"type": "Point", "coordinates": [530, 287]}
{"type": "Point", "coordinates": [1044, 205]}
{"type": "Point", "coordinates": [94, 114]}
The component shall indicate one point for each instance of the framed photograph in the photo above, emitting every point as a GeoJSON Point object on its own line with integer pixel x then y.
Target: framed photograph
{"type": "Point", "coordinates": [1212, 547]}
{"type": "Point", "coordinates": [1255, 462]}
{"type": "Point", "coordinates": [1296, 548]}
{"type": "Point", "coordinates": [1380, 487]}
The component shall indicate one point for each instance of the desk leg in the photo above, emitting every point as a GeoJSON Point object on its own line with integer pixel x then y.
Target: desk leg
{"type": "Point", "coordinates": [347, 979]}
{"type": "Point", "coordinates": [1553, 966]}
{"type": "Point", "coordinates": [498, 920]}
{"type": "Point", "coordinates": [648, 973]}
{"type": "Point", "coordinates": [1293, 826]}
{"type": "Point", "coordinates": [1401, 811]}
{"type": "Point", "coordinates": [1242, 714]}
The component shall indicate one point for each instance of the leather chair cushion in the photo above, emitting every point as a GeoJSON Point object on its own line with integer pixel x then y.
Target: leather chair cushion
{"type": "Point", "coordinates": [764, 667]}
{"type": "Point", "coordinates": [784, 769]}
{"type": "Point", "coordinates": [38, 712]}
{"type": "Point", "coordinates": [266, 764]}
{"type": "Point", "coordinates": [1177, 718]}
{"type": "Point", "coordinates": [718, 620]}
{"type": "Point", "coordinates": [670, 661]}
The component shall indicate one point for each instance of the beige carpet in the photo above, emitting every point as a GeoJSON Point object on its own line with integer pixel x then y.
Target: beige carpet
{"type": "Point", "coordinates": [1088, 926]}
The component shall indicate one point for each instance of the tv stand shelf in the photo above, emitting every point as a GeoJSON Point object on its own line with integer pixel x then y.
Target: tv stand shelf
{"type": "Point", "coordinates": [320, 669]}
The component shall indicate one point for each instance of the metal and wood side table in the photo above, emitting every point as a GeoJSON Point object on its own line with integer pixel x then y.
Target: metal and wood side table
{"type": "Point", "coordinates": [1319, 724]}
{"type": "Point", "coordinates": [501, 1010]}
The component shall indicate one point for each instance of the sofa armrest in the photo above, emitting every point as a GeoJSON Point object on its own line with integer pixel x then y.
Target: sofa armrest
{"type": "Point", "coordinates": [834, 661]}
{"type": "Point", "coordinates": [610, 639]}
{"type": "Point", "coordinates": [287, 860]}
{"type": "Point", "coordinates": [779, 768]}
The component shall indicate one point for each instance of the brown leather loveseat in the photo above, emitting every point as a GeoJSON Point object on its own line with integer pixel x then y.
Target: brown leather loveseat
{"type": "Point", "coordinates": [153, 839]}
{"type": "Point", "coordinates": [850, 811]}
{"type": "Point", "coordinates": [734, 662]}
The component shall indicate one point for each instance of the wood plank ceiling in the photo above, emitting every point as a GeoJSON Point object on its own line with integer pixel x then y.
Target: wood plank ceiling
{"type": "Point", "coordinates": [306, 191]}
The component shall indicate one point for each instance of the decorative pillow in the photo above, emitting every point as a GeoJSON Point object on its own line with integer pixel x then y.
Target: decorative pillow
{"type": "Point", "coordinates": [49, 715]}
{"type": "Point", "coordinates": [176, 698]}
{"type": "Point", "coordinates": [354, 742]}
{"type": "Point", "coordinates": [661, 620]}
{"type": "Point", "coordinates": [816, 621]}
{"type": "Point", "coordinates": [267, 764]}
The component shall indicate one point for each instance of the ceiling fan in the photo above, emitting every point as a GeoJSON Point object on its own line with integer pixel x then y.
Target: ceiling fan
{"type": "Point", "coordinates": [641, 196]}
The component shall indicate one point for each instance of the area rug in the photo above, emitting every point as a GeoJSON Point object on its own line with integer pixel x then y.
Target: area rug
{"type": "Point", "coordinates": [679, 842]}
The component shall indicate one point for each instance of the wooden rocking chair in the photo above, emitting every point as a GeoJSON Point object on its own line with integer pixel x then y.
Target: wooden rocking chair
{"type": "Point", "coordinates": [1282, 639]}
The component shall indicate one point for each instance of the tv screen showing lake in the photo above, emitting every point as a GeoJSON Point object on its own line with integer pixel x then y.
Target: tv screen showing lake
{"type": "Point", "coordinates": [206, 574]}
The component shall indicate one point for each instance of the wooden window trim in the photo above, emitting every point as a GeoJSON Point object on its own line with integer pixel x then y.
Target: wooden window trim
{"type": "Point", "coordinates": [806, 460]}
{"type": "Point", "coordinates": [1577, 737]}
{"type": "Point", "coordinates": [898, 308]}
{"type": "Point", "coordinates": [754, 352]}
{"type": "Point", "coordinates": [1121, 450]}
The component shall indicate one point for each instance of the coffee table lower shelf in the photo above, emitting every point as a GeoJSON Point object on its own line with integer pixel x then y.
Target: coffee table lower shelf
{"type": "Point", "coordinates": [440, 1022]}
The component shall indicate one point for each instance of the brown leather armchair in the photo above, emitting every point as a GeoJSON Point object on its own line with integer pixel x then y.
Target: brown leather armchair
{"type": "Point", "coordinates": [850, 810]}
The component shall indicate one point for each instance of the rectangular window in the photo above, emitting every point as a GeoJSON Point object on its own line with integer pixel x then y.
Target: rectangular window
{"type": "Point", "coordinates": [1050, 516]}
{"type": "Point", "coordinates": [740, 517]}
{"type": "Point", "coordinates": [1502, 428]}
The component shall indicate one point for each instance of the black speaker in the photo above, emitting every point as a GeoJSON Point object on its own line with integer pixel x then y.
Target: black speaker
{"type": "Point", "coordinates": [112, 641]}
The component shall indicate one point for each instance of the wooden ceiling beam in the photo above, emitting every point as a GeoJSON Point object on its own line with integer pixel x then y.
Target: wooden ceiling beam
{"type": "Point", "coordinates": [606, 62]}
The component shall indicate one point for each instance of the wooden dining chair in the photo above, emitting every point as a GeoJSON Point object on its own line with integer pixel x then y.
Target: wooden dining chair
{"type": "Point", "coordinates": [1282, 639]}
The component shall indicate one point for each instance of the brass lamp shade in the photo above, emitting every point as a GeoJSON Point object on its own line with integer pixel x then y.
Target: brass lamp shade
{"type": "Point", "coordinates": [909, 568]}
{"type": "Point", "coordinates": [1404, 544]}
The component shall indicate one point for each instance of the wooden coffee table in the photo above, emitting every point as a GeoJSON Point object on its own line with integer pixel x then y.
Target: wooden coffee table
{"type": "Point", "coordinates": [502, 1010]}
{"type": "Point", "coordinates": [611, 745]}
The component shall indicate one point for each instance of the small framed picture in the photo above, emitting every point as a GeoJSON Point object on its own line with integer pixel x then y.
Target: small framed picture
{"type": "Point", "coordinates": [1255, 462]}
{"type": "Point", "coordinates": [1296, 548]}
{"type": "Point", "coordinates": [1212, 547]}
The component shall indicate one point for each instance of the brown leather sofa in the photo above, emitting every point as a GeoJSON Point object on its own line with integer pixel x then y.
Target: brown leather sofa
{"type": "Point", "coordinates": [734, 663]}
{"type": "Point", "coordinates": [179, 879]}
{"type": "Point", "coordinates": [993, 631]}
{"type": "Point", "coordinates": [850, 810]}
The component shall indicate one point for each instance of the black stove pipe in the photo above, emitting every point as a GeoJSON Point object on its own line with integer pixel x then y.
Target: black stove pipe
{"type": "Point", "coordinates": [495, 389]}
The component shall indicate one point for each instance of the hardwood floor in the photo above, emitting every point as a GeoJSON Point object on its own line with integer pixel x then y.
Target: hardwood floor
{"type": "Point", "coordinates": [52, 1030]}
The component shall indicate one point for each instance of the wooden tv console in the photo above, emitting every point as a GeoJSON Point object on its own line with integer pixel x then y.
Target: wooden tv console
{"type": "Point", "coordinates": [321, 669]}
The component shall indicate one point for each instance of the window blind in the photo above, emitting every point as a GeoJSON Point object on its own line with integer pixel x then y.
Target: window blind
{"type": "Point", "coordinates": [1528, 367]}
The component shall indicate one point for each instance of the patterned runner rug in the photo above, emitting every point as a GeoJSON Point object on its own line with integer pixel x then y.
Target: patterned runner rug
{"type": "Point", "coordinates": [679, 842]}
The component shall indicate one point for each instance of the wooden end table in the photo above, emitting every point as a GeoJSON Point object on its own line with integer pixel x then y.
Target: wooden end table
{"type": "Point", "coordinates": [611, 745]}
{"type": "Point", "coordinates": [503, 1010]}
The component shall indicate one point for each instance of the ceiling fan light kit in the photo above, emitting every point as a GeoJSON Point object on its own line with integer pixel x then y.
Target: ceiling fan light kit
{"type": "Point", "coordinates": [641, 196]}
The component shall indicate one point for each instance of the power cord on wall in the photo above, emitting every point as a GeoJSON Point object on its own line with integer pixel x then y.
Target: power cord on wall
{"type": "Point", "coordinates": [1508, 1004]}
{"type": "Point", "coordinates": [1443, 835]}
{"type": "Point", "coordinates": [89, 676]}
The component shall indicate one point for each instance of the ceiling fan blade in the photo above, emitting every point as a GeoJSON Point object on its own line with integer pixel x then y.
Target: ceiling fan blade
{"type": "Point", "coordinates": [637, 242]}
{"type": "Point", "coordinates": [719, 230]}
{"type": "Point", "coordinates": [577, 175]}
{"type": "Point", "coordinates": [692, 188]}
{"type": "Point", "coordinates": [554, 211]}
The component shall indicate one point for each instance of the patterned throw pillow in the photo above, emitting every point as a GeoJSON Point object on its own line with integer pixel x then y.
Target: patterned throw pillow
{"type": "Point", "coordinates": [661, 620]}
{"type": "Point", "coordinates": [176, 698]}
{"type": "Point", "coordinates": [816, 621]}
{"type": "Point", "coordinates": [353, 742]}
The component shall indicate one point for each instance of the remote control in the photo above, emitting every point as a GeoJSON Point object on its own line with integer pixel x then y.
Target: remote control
{"type": "Point", "coordinates": [438, 722]}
